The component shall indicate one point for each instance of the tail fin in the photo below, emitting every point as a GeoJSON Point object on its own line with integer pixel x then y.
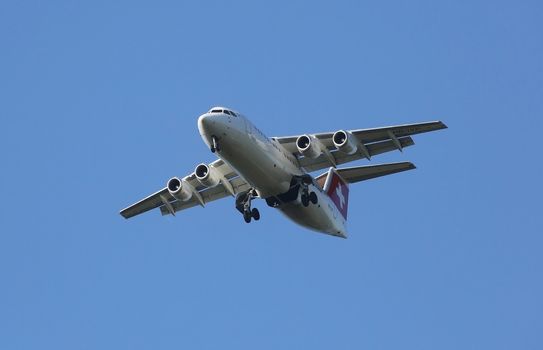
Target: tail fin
{"type": "Point", "coordinates": [338, 190]}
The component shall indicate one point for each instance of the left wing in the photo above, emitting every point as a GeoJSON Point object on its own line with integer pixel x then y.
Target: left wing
{"type": "Point", "coordinates": [201, 195]}
{"type": "Point", "coordinates": [370, 142]}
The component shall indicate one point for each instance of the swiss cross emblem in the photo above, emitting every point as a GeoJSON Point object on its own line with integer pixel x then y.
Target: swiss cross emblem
{"type": "Point", "coordinates": [339, 193]}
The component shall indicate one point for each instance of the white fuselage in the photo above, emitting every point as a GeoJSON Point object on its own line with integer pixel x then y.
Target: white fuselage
{"type": "Point", "coordinates": [269, 169]}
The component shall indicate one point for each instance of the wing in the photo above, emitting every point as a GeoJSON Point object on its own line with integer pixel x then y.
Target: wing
{"type": "Point", "coordinates": [169, 205]}
{"type": "Point", "coordinates": [371, 142]}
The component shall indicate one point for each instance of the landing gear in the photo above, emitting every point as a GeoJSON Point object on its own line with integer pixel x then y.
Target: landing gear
{"type": "Point", "coordinates": [307, 196]}
{"type": "Point", "coordinates": [305, 200]}
{"type": "Point", "coordinates": [247, 216]}
{"type": "Point", "coordinates": [313, 198]}
{"type": "Point", "coordinates": [215, 144]}
{"type": "Point", "coordinates": [243, 205]}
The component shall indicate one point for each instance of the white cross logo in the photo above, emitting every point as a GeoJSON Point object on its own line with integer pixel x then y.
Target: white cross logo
{"type": "Point", "coordinates": [339, 194]}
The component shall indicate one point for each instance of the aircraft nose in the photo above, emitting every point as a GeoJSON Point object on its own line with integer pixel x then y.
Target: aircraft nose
{"type": "Point", "coordinates": [204, 124]}
{"type": "Point", "coordinates": [211, 124]}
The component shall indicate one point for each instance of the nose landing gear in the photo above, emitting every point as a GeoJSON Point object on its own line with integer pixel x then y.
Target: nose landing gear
{"type": "Point", "coordinates": [215, 144]}
{"type": "Point", "coordinates": [243, 205]}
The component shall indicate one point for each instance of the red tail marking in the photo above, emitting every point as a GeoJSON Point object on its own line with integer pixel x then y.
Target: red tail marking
{"type": "Point", "coordinates": [338, 191]}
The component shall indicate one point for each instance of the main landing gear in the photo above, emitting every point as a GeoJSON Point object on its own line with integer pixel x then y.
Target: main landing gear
{"type": "Point", "coordinates": [243, 205]}
{"type": "Point", "coordinates": [306, 195]}
{"type": "Point", "coordinates": [215, 144]}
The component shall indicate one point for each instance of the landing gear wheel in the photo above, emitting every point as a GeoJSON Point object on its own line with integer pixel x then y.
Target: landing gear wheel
{"type": "Point", "coordinates": [243, 205]}
{"type": "Point", "coordinates": [247, 216]}
{"type": "Point", "coordinates": [305, 200]}
{"type": "Point", "coordinates": [313, 198]}
{"type": "Point", "coordinates": [255, 214]}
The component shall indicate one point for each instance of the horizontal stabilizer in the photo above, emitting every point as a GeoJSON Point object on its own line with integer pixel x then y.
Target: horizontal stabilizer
{"type": "Point", "coordinates": [362, 173]}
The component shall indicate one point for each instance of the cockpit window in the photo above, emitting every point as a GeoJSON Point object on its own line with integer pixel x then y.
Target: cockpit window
{"type": "Point", "coordinates": [225, 111]}
{"type": "Point", "coordinates": [230, 113]}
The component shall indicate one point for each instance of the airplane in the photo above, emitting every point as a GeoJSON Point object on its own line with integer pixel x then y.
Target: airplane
{"type": "Point", "coordinates": [277, 169]}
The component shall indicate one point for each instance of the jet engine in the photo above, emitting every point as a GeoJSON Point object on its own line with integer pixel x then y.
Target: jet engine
{"type": "Point", "coordinates": [345, 142]}
{"type": "Point", "coordinates": [179, 189]}
{"type": "Point", "coordinates": [207, 176]}
{"type": "Point", "coordinates": [309, 146]}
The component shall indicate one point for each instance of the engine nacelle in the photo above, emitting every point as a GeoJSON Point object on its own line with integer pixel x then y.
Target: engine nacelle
{"type": "Point", "coordinates": [179, 189]}
{"type": "Point", "coordinates": [345, 142]}
{"type": "Point", "coordinates": [309, 146]}
{"type": "Point", "coordinates": [207, 176]}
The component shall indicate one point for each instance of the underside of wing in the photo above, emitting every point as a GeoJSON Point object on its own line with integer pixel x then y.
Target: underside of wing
{"type": "Point", "coordinates": [332, 149]}
{"type": "Point", "coordinates": [208, 195]}
{"type": "Point", "coordinates": [189, 191]}
{"type": "Point", "coordinates": [386, 133]}
{"type": "Point", "coordinates": [323, 161]}
{"type": "Point", "coordinates": [151, 202]}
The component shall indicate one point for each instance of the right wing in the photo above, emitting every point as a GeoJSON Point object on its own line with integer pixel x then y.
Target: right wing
{"type": "Point", "coordinates": [169, 205]}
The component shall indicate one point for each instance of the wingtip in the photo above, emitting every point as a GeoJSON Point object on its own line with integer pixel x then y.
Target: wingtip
{"type": "Point", "coordinates": [124, 214]}
{"type": "Point", "coordinates": [438, 124]}
{"type": "Point", "coordinates": [410, 165]}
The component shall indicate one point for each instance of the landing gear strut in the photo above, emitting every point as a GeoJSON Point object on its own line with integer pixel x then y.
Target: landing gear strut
{"type": "Point", "coordinates": [243, 205]}
{"type": "Point", "coordinates": [215, 144]}
{"type": "Point", "coordinates": [307, 196]}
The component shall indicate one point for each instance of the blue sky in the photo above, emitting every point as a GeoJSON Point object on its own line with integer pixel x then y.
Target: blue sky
{"type": "Point", "coordinates": [99, 102]}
